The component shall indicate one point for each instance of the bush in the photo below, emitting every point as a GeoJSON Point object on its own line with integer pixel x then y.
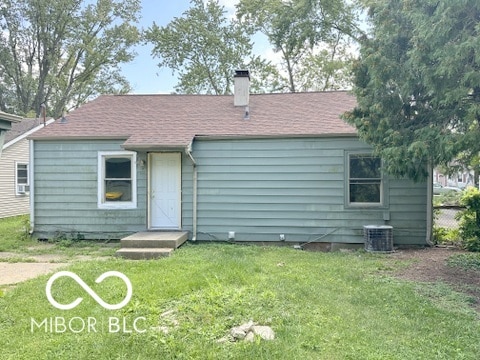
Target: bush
{"type": "Point", "coordinates": [443, 235]}
{"type": "Point", "coordinates": [450, 198]}
{"type": "Point", "coordinates": [470, 219]}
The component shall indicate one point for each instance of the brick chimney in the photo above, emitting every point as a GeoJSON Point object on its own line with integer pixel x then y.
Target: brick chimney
{"type": "Point", "coordinates": [241, 87]}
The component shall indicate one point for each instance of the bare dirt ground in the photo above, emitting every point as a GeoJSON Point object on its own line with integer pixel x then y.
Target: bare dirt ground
{"type": "Point", "coordinates": [430, 265]}
{"type": "Point", "coordinates": [13, 273]}
{"type": "Point", "coordinates": [14, 270]}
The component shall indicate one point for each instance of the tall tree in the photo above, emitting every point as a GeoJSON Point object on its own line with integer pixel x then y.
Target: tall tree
{"type": "Point", "coordinates": [307, 34]}
{"type": "Point", "coordinates": [204, 48]}
{"type": "Point", "coordinates": [60, 53]}
{"type": "Point", "coordinates": [418, 83]}
{"type": "Point", "coordinates": [327, 68]}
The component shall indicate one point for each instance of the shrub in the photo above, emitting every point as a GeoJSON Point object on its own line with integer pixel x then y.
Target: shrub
{"type": "Point", "coordinates": [450, 198]}
{"type": "Point", "coordinates": [443, 235]}
{"type": "Point", "coordinates": [470, 219]}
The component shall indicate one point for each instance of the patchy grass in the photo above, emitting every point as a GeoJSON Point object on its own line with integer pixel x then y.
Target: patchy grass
{"type": "Point", "coordinates": [14, 237]}
{"type": "Point", "coordinates": [465, 261]}
{"type": "Point", "coordinates": [17, 259]}
{"type": "Point", "coordinates": [444, 298]}
{"type": "Point", "coordinates": [320, 305]}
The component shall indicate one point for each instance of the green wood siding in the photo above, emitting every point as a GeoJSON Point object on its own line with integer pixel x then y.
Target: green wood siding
{"type": "Point", "coordinates": [259, 188]}
{"type": "Point", "coordinates": [65, 194]}
{"type": "Point", "coordinates": [297, 187]}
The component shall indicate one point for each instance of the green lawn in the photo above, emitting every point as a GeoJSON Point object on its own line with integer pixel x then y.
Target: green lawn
{"type": "Point", "coordinates": [14, 237]}
{"type": "Point", "coordinates": [14, 233]}
{"type": "Point", "coordinates": [320, 305]}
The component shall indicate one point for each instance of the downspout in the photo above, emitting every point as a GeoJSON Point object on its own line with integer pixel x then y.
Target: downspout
{"type": "Point", "coordinates": [32, 185]}
{"type": "Point", "coordinates": [429, 206]}
{"type": "Point", "coordinates": [188, 151]}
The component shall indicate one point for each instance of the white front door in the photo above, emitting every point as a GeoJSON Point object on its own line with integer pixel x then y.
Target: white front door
{"type": "Point", "coordinates": [165, 190]}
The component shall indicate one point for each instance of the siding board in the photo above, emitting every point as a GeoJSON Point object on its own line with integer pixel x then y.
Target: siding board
{"type": "Point", "coordinates": [225, 175]}
{"type": "Point", "coordinates": [263, 188]}
{"type": "Point", "coordinates": [66, 191]}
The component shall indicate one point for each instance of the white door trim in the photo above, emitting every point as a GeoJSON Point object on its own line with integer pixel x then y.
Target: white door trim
{"type": "Point", "coordinates": [177, 222]}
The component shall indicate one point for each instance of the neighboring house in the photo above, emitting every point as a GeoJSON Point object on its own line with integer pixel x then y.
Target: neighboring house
{"type": "Point", "coordinates": [6, 121]}
{"type": "Point", "coordinates": [460, 179]}
{"type": "Point", "coordinates": [14, 168]}
{"type": "Point", "coordinates": [272, 167]}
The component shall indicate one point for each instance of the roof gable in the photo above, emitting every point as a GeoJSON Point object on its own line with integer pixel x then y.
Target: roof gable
{"type": "Point", "coordinates": [174, 120]}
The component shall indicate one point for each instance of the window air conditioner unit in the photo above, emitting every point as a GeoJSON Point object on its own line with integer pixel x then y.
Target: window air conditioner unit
{"type": "Point", "coordinates": [378, 238]}
{"type": "Point", "coordinates": [22, 189]}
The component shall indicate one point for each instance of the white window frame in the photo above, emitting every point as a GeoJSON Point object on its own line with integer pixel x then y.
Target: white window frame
{"type": "Point", "coordinates": [17, 164]}
{"type": "Point", "coordinates": [349, 203]}
{"type": "Point", "coordinates": [102, 204]}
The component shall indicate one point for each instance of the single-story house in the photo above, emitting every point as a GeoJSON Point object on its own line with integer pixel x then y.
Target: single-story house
{"type": "Point", "coordinates": [266, 168]}
{"type": "Point", "coordinates": [6, 121]}
{"type": "Point", "coordinates": [14, 163]}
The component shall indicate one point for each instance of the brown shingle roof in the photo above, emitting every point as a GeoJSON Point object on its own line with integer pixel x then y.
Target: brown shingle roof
{"type": "Point", "coordinates": [174, 120]}
{"type": "Point", "coordinates": [21, 127]}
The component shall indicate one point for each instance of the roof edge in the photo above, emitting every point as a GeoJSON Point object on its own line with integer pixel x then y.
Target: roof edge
{"type": "Point", "coordinates": [153, 147]}
{"type": "Point", "coordinates": [159, 147]}
{"type": "Point", "coordinates": [10, 117]}
{"type": "Point", "coordinates": [347, 91]}
{"type": "Point", "coordinates": [63, 138]}
{"type": "Point", "coordinates": [288, 136]}
{"type": "Point", "coordinates": [26, 134]}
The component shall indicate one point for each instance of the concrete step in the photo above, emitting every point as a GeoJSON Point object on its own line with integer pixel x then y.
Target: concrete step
{"type": "Point", "coordinates": [153, 239]}
{"type": "Point", "coordinates": [143, 253]}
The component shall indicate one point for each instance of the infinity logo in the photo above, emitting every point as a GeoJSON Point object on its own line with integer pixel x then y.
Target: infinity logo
{"type": "Point", "coordinates": [89, 290]}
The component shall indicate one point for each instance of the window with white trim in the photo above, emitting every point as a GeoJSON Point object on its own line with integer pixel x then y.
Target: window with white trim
{"type": "Point", "coordinates": [22, 184]}
{"type": "Point", "coordinates": [365, 180]}
{"type": "Point", "coordinates": [117, 181]}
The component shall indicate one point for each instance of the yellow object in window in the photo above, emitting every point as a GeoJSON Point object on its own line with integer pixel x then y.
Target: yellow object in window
{"type": "Point", "coordinates": [113, 195]}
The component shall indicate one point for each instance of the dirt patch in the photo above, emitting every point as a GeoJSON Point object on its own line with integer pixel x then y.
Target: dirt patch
{"type": "Point", "coordinates": [13, 273]}
{"type": "Point", "coordinates": [20, 267]}
{"type": "Point", "coordinates": [430, 265]}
